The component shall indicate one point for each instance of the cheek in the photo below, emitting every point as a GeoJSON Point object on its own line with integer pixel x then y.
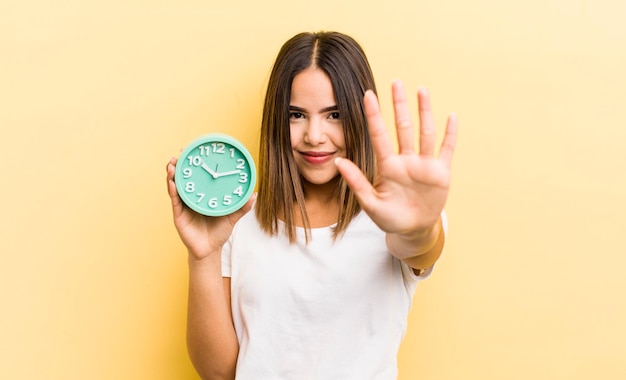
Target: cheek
{"type": "Point", "coordinates": [293, 137]}
{"type": "Point", "coordinates": [339, 139]}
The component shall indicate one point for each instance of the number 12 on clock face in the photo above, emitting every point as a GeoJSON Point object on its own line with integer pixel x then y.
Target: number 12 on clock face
{"type": "Point", "coordinates": [215, 175]}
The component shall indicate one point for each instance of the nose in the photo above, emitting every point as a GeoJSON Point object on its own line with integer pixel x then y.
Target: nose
{"type": "Point", "coordinates": [314, 134]}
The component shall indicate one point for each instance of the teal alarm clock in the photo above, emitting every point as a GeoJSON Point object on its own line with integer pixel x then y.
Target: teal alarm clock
{"type": "Point", "coordinates": [215, 175]}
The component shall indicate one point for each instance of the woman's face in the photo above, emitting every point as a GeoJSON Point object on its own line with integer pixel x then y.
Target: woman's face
{"type": "Point", "coordinates": [315, 125]}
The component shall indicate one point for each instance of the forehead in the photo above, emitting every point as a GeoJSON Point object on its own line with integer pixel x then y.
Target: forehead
{"type": "Point", "coordinates": [312, 87]}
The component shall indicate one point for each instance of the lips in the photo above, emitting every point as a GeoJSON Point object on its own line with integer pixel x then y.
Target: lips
{"type": "Point", "coordinates": [317, 158]}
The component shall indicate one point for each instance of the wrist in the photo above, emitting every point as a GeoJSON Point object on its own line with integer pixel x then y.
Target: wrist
{"type": "Point", "coordinates": [416, 243]}
{"type": "Point", "coordinates": [210, 260]}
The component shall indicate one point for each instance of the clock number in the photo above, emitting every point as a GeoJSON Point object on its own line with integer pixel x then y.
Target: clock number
{"type": "Point", "coordinates": [190, 187]}
{"type": "Point", "coordinates": [238, 191]}
{"type": "Point", "coordinates": [232, 152]}
{"type": "Point", "coordinates": [227, 200]}
{"type": "Point", "coordinates": [213, 202]}
{"type": "Point", "coordinates": [204, 151]}
{"type": "Point", "coordinates": [243, 177]}
{"type": "Point", "coordinates": [218, 148]}
{"type": "Point", "coordinates": [200, 197]}
{"type": "Point", "coordinates": [187, 172]}
{"type": "Point", "coordinates": [194, 160]}
{"type": "Point", "coordinates": [241, 163]}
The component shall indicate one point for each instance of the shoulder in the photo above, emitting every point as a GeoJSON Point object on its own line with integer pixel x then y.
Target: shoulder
{"type": "Point", "coordinates": [247, 224]}
{"type": "Point", "coordinates": [362, 226]}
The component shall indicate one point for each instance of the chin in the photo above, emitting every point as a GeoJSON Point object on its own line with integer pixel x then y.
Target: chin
{"type": "Point", "coordinates": [319, 180]}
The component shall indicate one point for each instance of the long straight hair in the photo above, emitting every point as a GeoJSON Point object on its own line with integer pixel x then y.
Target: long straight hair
{"type": "Point", "coordinates": [280, 184]}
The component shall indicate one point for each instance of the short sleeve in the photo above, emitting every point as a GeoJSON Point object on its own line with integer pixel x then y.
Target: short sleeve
{"type": "Point", "coordinates": [226, 258]}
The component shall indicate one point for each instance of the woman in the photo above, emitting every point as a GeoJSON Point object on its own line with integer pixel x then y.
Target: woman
{"type": "Point", "coordinates": [317, 281]}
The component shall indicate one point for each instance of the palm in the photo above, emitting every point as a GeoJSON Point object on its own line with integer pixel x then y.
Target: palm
{"type": "Point", "coordinates": [411, 188]}
{"type": "Point", "coordinates": [408, 194]}
{"type": "Point", "coordinates": [201, 234]}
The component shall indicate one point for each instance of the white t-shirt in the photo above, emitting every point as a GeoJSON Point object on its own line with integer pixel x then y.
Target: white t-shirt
{"type": "Point", "coordinates": [326, 310]}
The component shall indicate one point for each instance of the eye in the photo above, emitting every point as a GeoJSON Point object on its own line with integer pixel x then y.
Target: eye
{"type": "Point", "coordinates": [296, 115]}
{"type": "Point", "coordinates": [334, 115]}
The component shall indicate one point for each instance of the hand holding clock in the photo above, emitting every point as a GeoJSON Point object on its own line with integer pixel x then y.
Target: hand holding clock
{"type": "Point", "coordinates": [202, 235]}
{"type": "Point", "coordinates": [206, 208]}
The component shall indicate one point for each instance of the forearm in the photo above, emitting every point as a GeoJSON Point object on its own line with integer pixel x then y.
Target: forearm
{"type": "Point", "coordinates": [420, 250]}
{"type": "Point", "coordinates": [211, 339]}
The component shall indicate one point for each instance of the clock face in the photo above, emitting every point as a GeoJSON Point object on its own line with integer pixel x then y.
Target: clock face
{"type": "Point", "coordinates": [215, 175]}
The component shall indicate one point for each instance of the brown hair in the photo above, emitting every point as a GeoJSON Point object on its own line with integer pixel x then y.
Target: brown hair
{"type": "Point", "coordinates": [280, 184]}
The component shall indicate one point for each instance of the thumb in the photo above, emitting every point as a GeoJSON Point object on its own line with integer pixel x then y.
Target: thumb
{"type": "Point", "coordinates": [356, 180]}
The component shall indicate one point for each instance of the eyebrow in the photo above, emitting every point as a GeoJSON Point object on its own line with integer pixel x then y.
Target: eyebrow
{"type": "Point", "coordinates": [325, 109]}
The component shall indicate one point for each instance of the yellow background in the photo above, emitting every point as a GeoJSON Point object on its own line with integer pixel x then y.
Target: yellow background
{"type": "Point", "coordinates": [96, 96]}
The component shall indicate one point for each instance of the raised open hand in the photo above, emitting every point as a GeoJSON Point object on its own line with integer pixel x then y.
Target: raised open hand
{"type": "Point", "coordinates": [410, 188]}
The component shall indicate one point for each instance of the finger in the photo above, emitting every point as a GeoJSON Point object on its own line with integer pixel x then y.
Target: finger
{"type": "Point", "coordinates": [171, 169]}
{"type": "Point", "coordinates": [449, 140]}
{"type": "Point", "coordinates": [355, 180]}
{"type": "Point", "coordinates": [177, 204]}
{"type": "Point", "coordinates": [427, 125]}
{"type": "Point", "coordinates": [404, 125]}
{"type": "Point", "coordinates": [234, 217]}
{"type": "Point", "coordinates": [376, 126]}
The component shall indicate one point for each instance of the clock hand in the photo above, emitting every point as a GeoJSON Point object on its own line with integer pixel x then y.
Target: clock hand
{"type": "Point", "coordinates": [228, 173]}
{"type": "Point", "coordinates": [208, 169]}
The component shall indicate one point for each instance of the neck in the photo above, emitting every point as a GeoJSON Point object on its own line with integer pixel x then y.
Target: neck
{"type": "Point", "coordinates": [321, 203]}
{"type": "Point", "coordinates": [324, 193]}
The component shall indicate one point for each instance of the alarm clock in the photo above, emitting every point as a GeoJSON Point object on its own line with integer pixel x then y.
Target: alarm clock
{"type": "Point", "coordinates": [215, 175]}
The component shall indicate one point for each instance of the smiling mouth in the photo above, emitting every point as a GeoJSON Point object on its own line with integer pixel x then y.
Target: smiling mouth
{"type": "Point", "coordinates": [317, 158]}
